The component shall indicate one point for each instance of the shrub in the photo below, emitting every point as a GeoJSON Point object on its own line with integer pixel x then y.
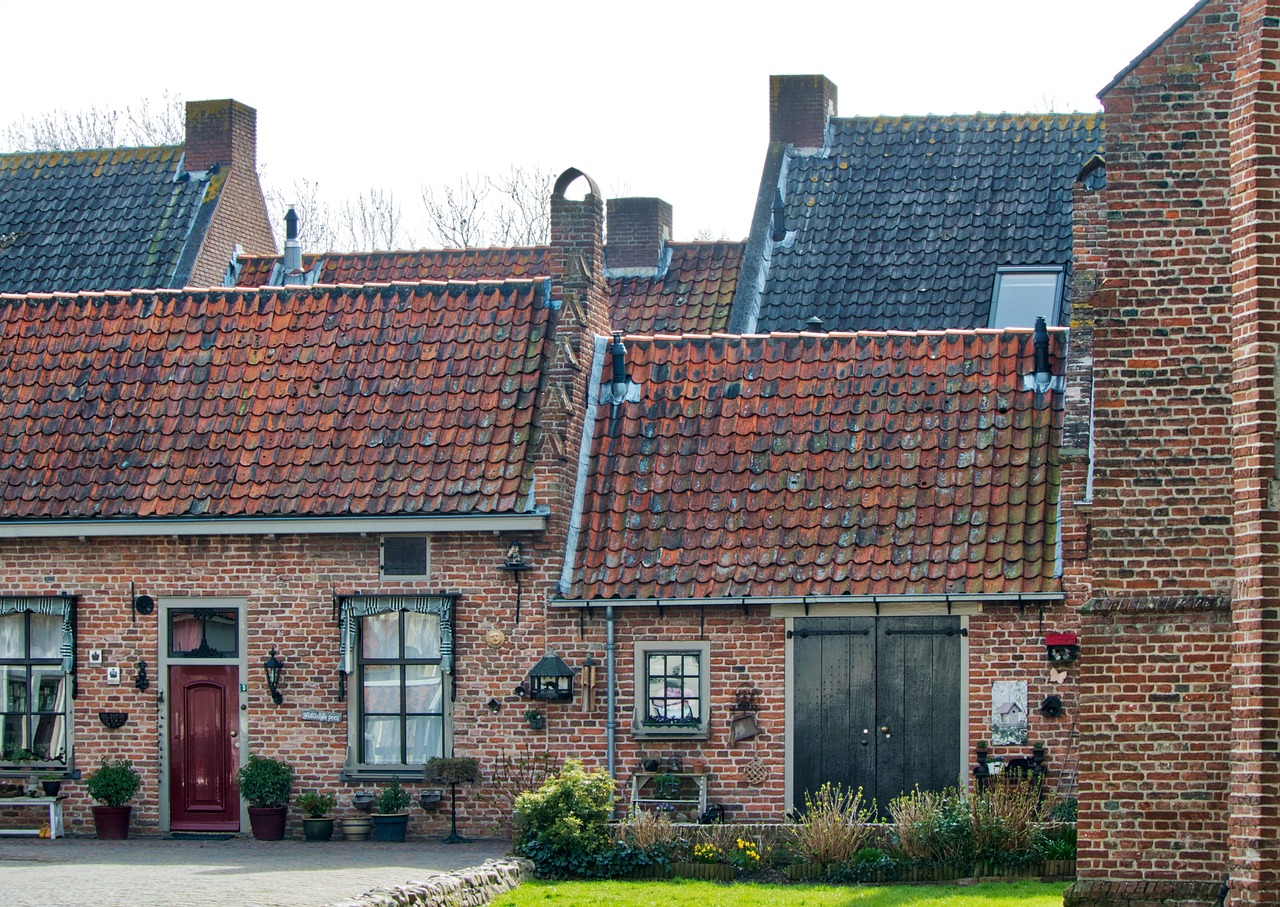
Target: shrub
{"type": "Point", "coordinates": [265, 782]}
{"type": "Point", "coordinates": [452, 770]}
{"type": "Point", "coordinates": [513, 774]}
{"type": "Point", "coordinates": [566, 824]}
{"type": "Point", "coordinates": [392, 799]}
{"type": "Point", "coordinates": [932, 826]}
{"type": "Point", "coordinates": [1003, 818]}
{"type": "Point", "coordinates": [650, 831]}
{"type": "Point", "coordinates": [114, 783]}
{"type": "Point", "coordinates": [314, 805]}
{"type": "Point", "coordinates": [834, 825]}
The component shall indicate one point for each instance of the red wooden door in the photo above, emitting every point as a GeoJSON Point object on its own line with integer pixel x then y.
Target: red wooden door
{"type": "Point", "coordinates": [202, 755]}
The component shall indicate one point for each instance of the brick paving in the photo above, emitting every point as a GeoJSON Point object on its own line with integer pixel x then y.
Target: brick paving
{"type": "Point", "coordinates": [149, 872]}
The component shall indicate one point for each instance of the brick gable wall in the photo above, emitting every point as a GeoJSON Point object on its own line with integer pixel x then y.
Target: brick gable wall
{"type": "Point", "coordinates": [1152, 556]}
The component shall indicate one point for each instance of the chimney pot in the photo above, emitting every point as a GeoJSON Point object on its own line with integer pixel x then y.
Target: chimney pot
{"type": "Point", "coordinates": [638, 232]}
{"type": "Point", "coordinates": [799, 107]}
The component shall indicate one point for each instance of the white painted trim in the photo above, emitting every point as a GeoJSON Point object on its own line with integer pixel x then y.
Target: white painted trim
{"type": "Point", "coordinates": [188, 526]}
{"type": "Point", "coordinates": [161, 684]}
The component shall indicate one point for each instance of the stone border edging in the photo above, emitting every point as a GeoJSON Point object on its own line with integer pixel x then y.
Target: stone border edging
{"type": "Point", "coordinates": [472, 887]}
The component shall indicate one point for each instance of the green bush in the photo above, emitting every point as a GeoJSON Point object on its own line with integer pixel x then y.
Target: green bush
{"type": "Point", "coordinates": [113, 783]}
{"type": "Point", "coordinates": [932, 827]}
{"type": "Point", "coordinates": [566, 826]}
{"type": "Point", "coordinates": [265, 782]}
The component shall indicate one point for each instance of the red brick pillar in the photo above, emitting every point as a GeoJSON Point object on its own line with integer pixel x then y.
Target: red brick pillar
{"type": "Point", "coordinates": [1255, 209]}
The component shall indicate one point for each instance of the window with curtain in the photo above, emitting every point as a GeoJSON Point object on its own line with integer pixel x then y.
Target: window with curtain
{"type": "Point", "coordinates": [34, 687]}
{"type": "Point", "coordinates": [397, 653]}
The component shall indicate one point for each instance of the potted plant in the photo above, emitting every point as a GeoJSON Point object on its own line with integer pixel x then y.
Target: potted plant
{"type": "Point", "coordinates": [390, 819]}
{"type": "Point", "coordinates": [113, 784]}
{"type": "Point", "coordinates": [536, 719]}
{"type": "Point", "coordinates": [52, 784]}
{"type": "Point", "coordinates": [266, 784]}
{"type": "Point", "coordinates": [317, 824]}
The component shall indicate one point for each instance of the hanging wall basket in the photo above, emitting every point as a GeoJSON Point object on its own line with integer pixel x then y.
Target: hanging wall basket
{"type": "Point", "coordinates": [113, 720]}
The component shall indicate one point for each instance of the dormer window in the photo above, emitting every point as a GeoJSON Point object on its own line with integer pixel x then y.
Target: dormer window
{"type": "Point", "coordinates": [1023, 294]}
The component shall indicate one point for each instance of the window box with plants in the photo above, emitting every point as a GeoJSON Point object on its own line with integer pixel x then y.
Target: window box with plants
{"type": "Point", "coordinates": [113, 784]}
{"type": "Point", "coordinates": [317, 824]}
{"type": "Point", "coordinates": [390, 819]}
{"type": "Point", "coordinates": [266, 784]}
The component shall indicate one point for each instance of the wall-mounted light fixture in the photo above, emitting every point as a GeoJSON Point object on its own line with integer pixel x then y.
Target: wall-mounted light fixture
{"type": "Point", "coordinates": [551, 679]}
{"type": "Point", "coordinates": [514, 563]}
{"type": "Point", "coordinates": [141, 681]}
{"type": "Point", "coordinates": [273, 668]}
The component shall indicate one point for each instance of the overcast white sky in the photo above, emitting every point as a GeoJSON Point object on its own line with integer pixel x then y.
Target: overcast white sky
{"type": "Point", "coordinates": [649, 99]}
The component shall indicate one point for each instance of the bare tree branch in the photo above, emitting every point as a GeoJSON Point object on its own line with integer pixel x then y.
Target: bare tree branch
{"type": "Point", "coordinates": [99, 127]}
{"type": "Point", "coordinates": [511, 209]}
{"type": "Point", "coordinates": [372, 220]}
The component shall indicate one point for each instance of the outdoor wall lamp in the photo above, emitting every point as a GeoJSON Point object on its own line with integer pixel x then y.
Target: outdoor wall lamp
{"type": "Point", "coordinates": [141, 681]}
{"type": "Point", "coordinates": [273, 668]}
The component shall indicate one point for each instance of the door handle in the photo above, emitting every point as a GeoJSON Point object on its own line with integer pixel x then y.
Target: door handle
{"type": "Point", "coordinates": [884, 729]}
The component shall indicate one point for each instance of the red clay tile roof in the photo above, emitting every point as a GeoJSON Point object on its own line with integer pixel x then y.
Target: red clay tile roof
{"type": "Point", "coordinates": [402, 399]}
{"type": "Point", "coordinates": [804, 464]}
{"type": "Point", "coordinates": [693, 296]}
{"type": "Point", "coordinates": [423, 264]}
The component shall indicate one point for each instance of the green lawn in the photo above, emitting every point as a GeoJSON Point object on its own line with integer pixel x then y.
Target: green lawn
{"type": "Point", "coordinates": [688, 893]}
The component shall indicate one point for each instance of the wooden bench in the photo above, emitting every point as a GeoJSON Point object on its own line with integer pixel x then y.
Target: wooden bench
{"type": "Point", "coordinates": [53, 804]}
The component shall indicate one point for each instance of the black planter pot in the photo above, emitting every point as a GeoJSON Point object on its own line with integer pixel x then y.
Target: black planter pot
{"type": "Point", "coordinates": [317, 828]}
{"type": "Point", "coordinates": [51, 788]}
{"type": "Point", "coordinates": [390, 828]}
{"type": "Point", "coordinates": [537, 723]}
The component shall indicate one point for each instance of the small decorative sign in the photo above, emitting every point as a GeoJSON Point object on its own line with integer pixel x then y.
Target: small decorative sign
{"type": "Point", "coordinates": [317, 715]}
{"type": "Point", "coordinates": [1008, 712]}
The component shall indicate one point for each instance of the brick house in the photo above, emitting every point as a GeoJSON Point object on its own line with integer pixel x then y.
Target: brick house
{"type": "Point", "coordinates": [331, 476]}
{"type": "Point", "coordinates": [124, 218]}
{"type": "Point", "coordinates": [1174, 558]}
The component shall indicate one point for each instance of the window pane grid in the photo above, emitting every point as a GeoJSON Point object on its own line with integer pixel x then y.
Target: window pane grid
{"type": "Point", "coordinates": [674, 688]}
{"type": "Point", "coordinates": [402, 690]}
{"type": "Point", "coordinates": [33, 687]}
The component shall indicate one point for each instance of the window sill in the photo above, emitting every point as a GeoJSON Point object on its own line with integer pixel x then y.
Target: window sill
{"type": "Point", "coordinates": [358, 774]}
{"type": "Point", "coordinates": [687, 733]}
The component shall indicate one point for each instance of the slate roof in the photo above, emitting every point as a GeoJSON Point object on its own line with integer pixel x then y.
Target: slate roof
{"type": "Point", "coordinates": [114, 218]}
{"type": "Point", "coordinates": [805, 464]}
{"type": "Point", "coordinates": [693, 295]}
{"type": "Point", "coordinates": [323, 401]}
{"type": "Point", "coordinates": [901, 222]}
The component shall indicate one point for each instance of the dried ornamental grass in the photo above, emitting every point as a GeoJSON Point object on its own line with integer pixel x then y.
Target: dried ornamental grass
{"type": "Point", "coordinates": [932, 825]}
{"type": "Point", "coordinates": [1004, 818]}
{"type": "Point", "coordinates": [646, 830]}
{"type": "Point", "coordinates": [835, 825]}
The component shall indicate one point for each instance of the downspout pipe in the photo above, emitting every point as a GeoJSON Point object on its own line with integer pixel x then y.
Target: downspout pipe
{"type": "Point", "coordinates": [610, 670]}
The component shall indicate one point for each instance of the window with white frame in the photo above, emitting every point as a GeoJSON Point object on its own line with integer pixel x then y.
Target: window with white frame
{"type": "Point", "coordinates": [672, 686]}
{"type": "Point", "coordinates": [405, 557]}
{"type": "Point", "coordinates": [35, 685]}
{"type": "Point", "coordinates": [1024, 293]}
{"type": "Point", "coordinates": [398, 654]}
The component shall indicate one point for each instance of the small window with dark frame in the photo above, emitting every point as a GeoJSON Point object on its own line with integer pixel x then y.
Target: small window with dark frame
{"type": "Point", "coordinates": [401, 683]}
{"type": "Point", "coordinates": [671, 699]}
{"type": "Point", "coordinates": [203, 633]}
{"type": "Point", "coordinates": [33, 689]}
{"type": "Point", "coordinates": [405, 556]}
{"type": "Point", "coordinates": [1024, 293]}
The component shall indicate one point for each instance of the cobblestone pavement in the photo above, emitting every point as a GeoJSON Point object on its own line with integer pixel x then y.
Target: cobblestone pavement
{"type": "Point", "coordinates": [152, 872]}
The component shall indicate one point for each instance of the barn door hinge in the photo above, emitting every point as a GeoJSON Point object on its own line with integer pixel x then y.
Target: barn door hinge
{"type": "Point", "coordinates": [805, 634]}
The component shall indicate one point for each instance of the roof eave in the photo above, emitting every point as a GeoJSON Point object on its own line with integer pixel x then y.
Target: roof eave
{"type": "Point", "coordinates": [128, 527]}
{"type": "Point", "coordinates": [736, 601]}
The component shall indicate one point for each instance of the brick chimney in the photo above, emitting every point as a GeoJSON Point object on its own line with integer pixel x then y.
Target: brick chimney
{"type": "Point", "coordinates": [798, 109]}
{"type": "Point", "coordinates": [639, 229]}
{"type": "Point", "coordinates": [221, 132]}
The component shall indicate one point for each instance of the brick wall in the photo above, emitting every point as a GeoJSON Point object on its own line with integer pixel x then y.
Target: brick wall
{"type": "Point", "coordinates": [1255, 207]}
{"type": "Point", "coordinates": [1152, 554]}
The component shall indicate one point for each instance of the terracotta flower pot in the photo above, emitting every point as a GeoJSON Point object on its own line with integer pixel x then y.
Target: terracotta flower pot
{"type": "Point", "coordinates": [111, 823]}
{"type": "Point", "coordinates": [267, 822]}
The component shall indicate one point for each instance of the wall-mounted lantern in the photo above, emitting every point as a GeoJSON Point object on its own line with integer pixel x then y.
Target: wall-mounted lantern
{"type": "Point", "coordinates": [141, 681]}
{"type": "Point", "coordinates": [273, 667]}
{"type": "Point", "coordinates": [551, 679]}
{"type": "Point", "coordinates": [1062, 647]}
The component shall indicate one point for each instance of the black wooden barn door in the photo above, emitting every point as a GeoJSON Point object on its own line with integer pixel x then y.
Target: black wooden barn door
{"type": "Point", "coordinates": [876, 704]}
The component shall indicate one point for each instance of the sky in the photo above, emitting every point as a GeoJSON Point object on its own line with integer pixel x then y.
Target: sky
{"type": "Point", "coordinates": [661, 99]}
